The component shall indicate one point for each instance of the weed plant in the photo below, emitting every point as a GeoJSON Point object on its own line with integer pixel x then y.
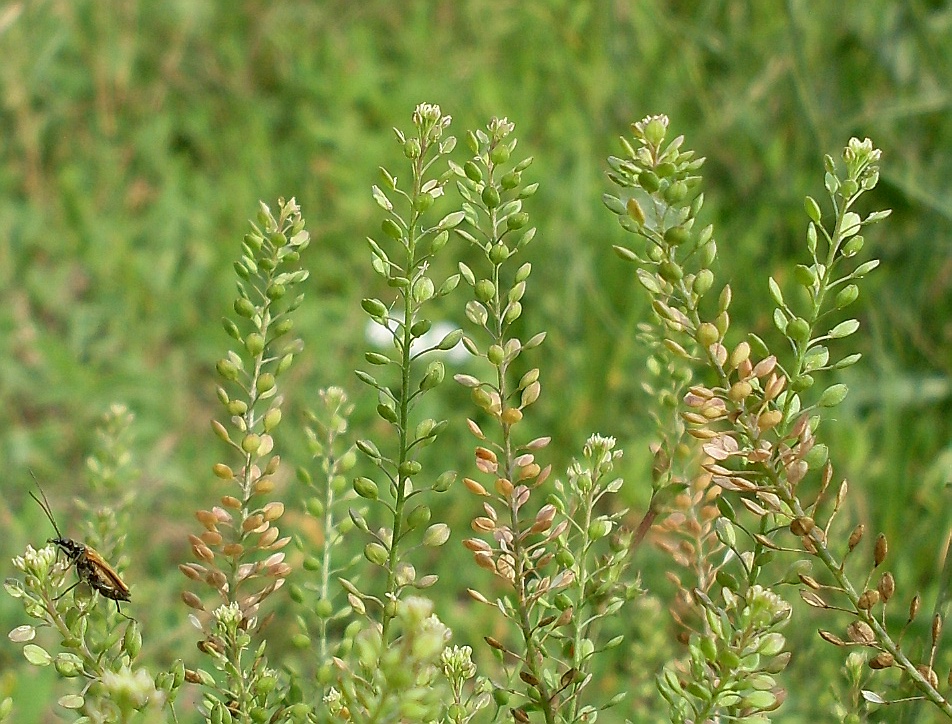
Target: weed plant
{"type": "Point", "coordinates": [744, 503]}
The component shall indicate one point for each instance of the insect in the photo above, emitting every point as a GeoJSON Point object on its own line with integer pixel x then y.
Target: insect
{"type": "Point", "coordinates": [91, 568]}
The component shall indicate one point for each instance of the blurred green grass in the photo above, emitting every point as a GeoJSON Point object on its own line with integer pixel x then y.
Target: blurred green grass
{"type": "Point", "coordinates": [137, 138]}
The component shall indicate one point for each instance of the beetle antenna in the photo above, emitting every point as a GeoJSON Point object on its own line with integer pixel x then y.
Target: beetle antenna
{"type": "Point", "coordinates": [45, 505]}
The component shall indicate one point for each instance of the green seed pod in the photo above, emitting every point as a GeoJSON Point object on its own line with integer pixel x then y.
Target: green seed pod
{"type": "Point", "coordinates": [801, 383]}
{"type": "Point", "coordinates": [654, 131]}
{"type": "Point", "coordinates": [472, 171]}
{"type": "Point", "coordinates": [227, 369]}
{"type": "Point", "coordinates": [853, 247]}
{"type": "Point", "coordinates": [665, 169]}
{"type": "Point", "coordinates": [419, 516]}
{"type": "Point", "coordinates": [444, 482]}
{"type": "Point", "coordinates": [69, 665]}
{"type": "Point", "coordinates": [254, 241]}
{"type": "Point", "coordinates": [707, 334]}
{"type": "Point", "coordinates": [237, 407]}
{"type": "Point", "coordinates": [500, 154]}
{"type": "Point", "coordinates": [635, 212]}
{"type": "Point", "coordinates": [244, 308]}
{"type": "Point", "coordinates": [599, 529]}
{"type": "Point", "coordinates": [250, 443]}
{"type": "Point", "coordinates": [677, 235]}
{"type": "Point", "coordinates": [422, 202]}
{"type": "Point", "coordinates": [241, 270]}
{"type": "Point", "coordinates": [423, 289]}
{"type": "Point", "coordinates": [649, 181]}
{"type": "Point", "coordinates": [805, 275]}
{"type": "Point", "coordinates": [798, 329]}
{"type": "Point", "coordinates": [376, 554]}
{"type": "Point", "coordinates": [676, 192]}
{"type": "Point", "coordinates": [485, 290]}
{"type": "Point", "coordinates": [434, 375]}
{"type": "Point", "coordinates": [391, 229]}
{"type": "Point", "coordinates": [482, 399]}
{"type": "Point", "coordinates": [846, 296]}
{"type": "Point", "coordinates": [670, 271]}
{"type": "Point", "coordinates": [265, 382]}
{"type": "Point", "coordinates": [271, 419]}
{"type": "Point", "coordinates": [412, 149]}
{"type": "Point", "coordinates": [366, 488]}
{"type": "Point", "coordinates": [254, 343]}
{"type": "Point", "coordinates": [510, 180]}
{"type": "Point", "coordinates": [387, 413]}
{"type": "Point", "coordinates": [517, 221]}
{"type": "Point", "coordinates": [409, 468]}
{"type": "Point", "coordinates": [439, 241]}
{"type": "Point", "coordinates": [499, 253]}
{"type": "Point", "coordinates": [703, 282]}
{"type": "Point", "coordinates": [490, 197]}
{"type": "Point", "coordinates": [374, 307]}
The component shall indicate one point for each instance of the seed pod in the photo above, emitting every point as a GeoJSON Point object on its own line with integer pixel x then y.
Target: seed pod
{"type": "Point", "coordinates": [882, 660]}
{"type": "Point", "coordinates": [867, 600]}
{"type": "Point", "coordinates": [887, 586]}
{"type": "Point", "coordinates": [860, 632]}
{"type": "Point", "coordinates": [802, 526]}
{"type": "Point", "coordinates": [856, 536]}
{"type": "Point", "coordinates": [914, 607]}
{"type": "Point", "coordinates": [879, 553]}
{"type": "Point", "coordinates": [936, 629]}
{"type": "Point", "coordinates": [929, 675]}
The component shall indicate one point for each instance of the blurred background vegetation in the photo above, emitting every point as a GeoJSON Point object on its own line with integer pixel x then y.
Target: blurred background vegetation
{"type": "Point", "coordinates": [137, 138]}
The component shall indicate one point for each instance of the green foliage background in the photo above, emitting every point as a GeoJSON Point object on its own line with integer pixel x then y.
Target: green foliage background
{"type": "Point", "coordinates": [138, 137]}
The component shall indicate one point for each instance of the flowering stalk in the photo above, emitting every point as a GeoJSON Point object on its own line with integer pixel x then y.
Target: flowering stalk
{"type": "Point", "coordinates": [95, 648]}
{"type": "Point", "coordinates": [404, 264]}
{"type": "Point", "coordinates": [334, 457]}
{"type": "Point", "coordinates": [238, 554]}
{"type": "Point", "coordinates": [757, 430]}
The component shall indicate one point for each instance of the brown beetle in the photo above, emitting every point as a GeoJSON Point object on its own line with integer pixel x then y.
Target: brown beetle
{"type": "Point", "coordinates": [91, 568]}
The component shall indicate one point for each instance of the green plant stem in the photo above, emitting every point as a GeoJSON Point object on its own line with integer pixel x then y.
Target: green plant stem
{"type": "Point", "coordinates": [403, 424]}
{"type": "Point", "coordinates": [534, 656]}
